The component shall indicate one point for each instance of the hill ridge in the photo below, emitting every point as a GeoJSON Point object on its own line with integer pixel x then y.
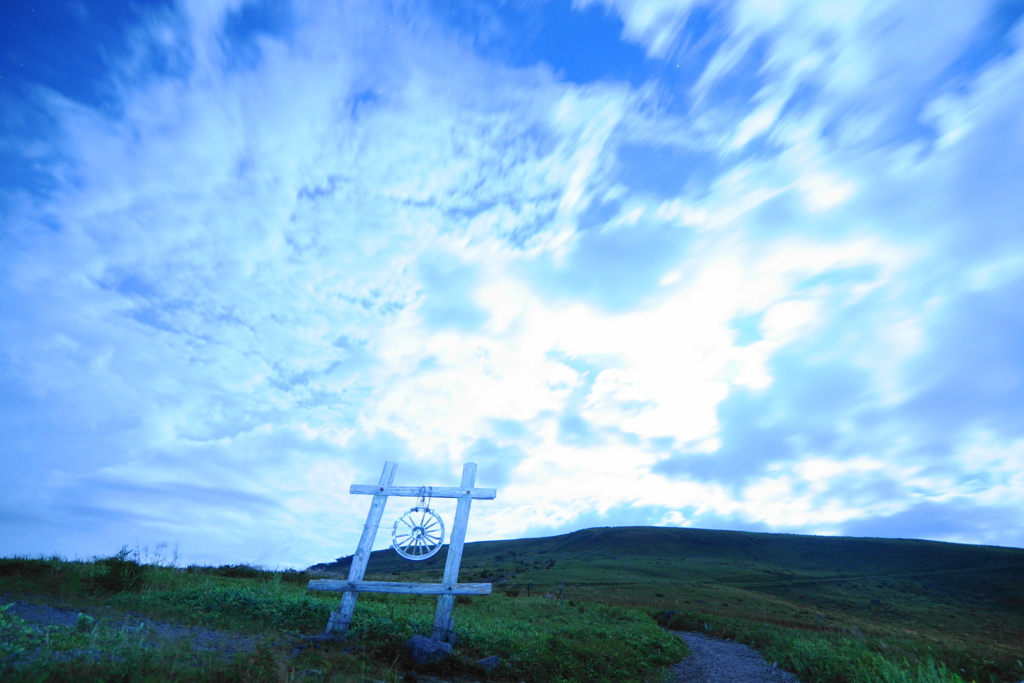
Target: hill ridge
{"type": "Point", "coordinates": [649, 540]}
{"type": "Point", "coordinates": [941, 592]}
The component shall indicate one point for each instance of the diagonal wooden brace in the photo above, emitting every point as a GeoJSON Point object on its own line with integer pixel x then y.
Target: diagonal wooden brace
{"type": "Point", "coordinates": [339, 620]}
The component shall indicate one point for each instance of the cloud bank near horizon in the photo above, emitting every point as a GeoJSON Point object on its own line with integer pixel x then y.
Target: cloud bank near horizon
{"type": "Point", "coordinates": [743, 265]}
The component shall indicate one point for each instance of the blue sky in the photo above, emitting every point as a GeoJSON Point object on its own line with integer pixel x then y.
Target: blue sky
{"type": "Point", "coordinates": [747, 265]}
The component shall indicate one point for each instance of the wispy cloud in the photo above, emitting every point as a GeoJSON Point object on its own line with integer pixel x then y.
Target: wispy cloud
{"type": "Point", "coordinates": [773, 287]}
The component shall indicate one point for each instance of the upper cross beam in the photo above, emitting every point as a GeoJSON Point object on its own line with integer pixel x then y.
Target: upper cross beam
{"type": "Point", "coordinates": [424, 491]}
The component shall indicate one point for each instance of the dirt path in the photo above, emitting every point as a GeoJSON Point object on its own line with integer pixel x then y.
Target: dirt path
{"type": "Point", "coordinates": [725, 661]}
{"type": "Point", "coordinates": [200, 638]}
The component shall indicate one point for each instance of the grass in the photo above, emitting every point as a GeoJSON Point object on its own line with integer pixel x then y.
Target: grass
{"type": "Point", "coordinates": [963, 604]}
{"type": "Point", "coordinates": [92, 649]}
{"type": "Point", "coordinates": [537, 639]}
{"type": "Point", "coordinates": [833, 610]}
{"type": "Point", "coordinates": [834, 657]}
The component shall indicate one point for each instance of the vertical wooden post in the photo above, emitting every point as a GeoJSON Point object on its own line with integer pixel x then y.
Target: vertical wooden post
{"type": "Point", "coordinates": [339, 621]}
{"type": "Point", "coordinates": [443, 616]}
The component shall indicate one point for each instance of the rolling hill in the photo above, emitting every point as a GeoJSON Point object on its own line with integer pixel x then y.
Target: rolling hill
{"type": "Point", "coordinates": [952, 595]}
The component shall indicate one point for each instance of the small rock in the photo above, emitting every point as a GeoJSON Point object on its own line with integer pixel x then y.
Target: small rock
{"type": "Point", "coordinates": [426, 651]}
{"type": "Point", "coordinates": [490, 663]}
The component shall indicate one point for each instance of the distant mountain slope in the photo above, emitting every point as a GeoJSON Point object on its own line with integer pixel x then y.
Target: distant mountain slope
{"type": "Point", "coordinates": [941, 591]}
{"type": "Point", "coordinates": [733, 553]}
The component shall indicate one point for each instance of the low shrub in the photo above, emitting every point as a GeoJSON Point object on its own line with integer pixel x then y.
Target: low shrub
{"type": "Point", "coordinates": [239, 571]}
{"type": "Point", "coordinates": [23, 566]}
{"type": "Point", "coordinates": [292, 576]}
{"type": "Point", "coordinates": [120, 572]}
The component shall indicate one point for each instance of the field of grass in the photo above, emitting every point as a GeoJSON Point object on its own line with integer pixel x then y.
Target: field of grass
{"type": "Point", "coordinates": [961, 605]}
{"type": "Point", "coordinates": [537, 639]}
{"type": "Point", "coordinates": [587, 606]}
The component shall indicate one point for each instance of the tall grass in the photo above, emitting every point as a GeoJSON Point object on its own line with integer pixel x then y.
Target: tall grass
{"type": "Point", "coordinates": [598, 634]}
{"type": "Point", "coordinates": [537, 639]}
{"type": "Point", "coordinates": [840, 658]}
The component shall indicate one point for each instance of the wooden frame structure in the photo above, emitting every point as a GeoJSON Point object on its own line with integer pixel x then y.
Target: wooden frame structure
{"type": "Point", "coordinates": [446, 590]}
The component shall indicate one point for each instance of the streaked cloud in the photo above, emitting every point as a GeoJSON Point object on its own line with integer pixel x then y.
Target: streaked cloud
{"type": "Point", "coordinates": [752, 265]}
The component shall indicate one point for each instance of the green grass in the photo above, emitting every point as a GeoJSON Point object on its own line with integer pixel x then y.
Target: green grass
{"type": "Point", "coordinates": [836, 657]}
{"type": "Point", "coordinates": [537, 639]}
{"type": "Point", "coordinates": [92, 649]}
{"type": "Point", "coordinates": [833, 610]}
{"type": "Point", "coordinates": [963, 604]}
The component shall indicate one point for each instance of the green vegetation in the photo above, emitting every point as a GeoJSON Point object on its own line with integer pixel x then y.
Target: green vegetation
{"type": "Point", "coordinates": [853, 658]}
{"type": "Point", "coordinates": [904, 600]}
{"type": "Point", "coordinates": [537, 639]}
{"type": "Point", "coordinates": [93, 649]}
{"type": "Point", "coordinates": [579, 607]}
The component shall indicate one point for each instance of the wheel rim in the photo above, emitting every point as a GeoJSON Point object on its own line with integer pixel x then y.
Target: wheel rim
{"type": "Point", "coordinates": [418, 534]}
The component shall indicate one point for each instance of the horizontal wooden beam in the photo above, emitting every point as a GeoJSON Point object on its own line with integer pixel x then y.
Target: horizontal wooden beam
{"type": "Point", "coordinates": [400, 587]}
{"type": "Point", "coordinates": [427, 491]}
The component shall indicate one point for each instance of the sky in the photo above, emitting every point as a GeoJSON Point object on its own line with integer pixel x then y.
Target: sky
{"type": "Point", "coordinates": [742, 264]}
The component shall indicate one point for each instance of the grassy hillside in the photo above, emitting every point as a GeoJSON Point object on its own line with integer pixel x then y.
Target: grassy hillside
{"type": "Point", "coordinates": [833, 610]}
{"type": "Point", "coordinates": [965, 603]}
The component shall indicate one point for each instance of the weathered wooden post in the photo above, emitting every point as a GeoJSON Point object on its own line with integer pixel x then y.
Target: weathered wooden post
{"type": "Point", "coordinates": [339, 620]}
{"type": "Point", "coordinates": [419, 537]}
{"type": "Point", "coordinates": [443, 615]}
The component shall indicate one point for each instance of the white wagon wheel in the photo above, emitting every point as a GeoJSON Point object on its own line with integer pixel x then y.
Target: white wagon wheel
{"type": "Point", "coordinates": [418, 534]}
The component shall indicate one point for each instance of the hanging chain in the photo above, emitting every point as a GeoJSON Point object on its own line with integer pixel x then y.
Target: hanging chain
{"type": "Point", "coordinates": [426, 493]}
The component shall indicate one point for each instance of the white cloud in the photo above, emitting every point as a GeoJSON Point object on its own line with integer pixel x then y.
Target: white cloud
{"type": "Point", "coordinates": [992, 472]}
{"type": "Point", "coordinates": [585, 120]}
{"type": "Point", "coordinates": [655, 24]}
{"type": "Point", "coordinates": [871, 52]}
{"type": "Point", "coordinates": [262, 281]}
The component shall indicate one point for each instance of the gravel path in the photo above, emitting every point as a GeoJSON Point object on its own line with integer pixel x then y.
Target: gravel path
{"type": "Point", "coordinates": [725, 661]}
{"type": "Point", "coordinates": [200, 638]}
